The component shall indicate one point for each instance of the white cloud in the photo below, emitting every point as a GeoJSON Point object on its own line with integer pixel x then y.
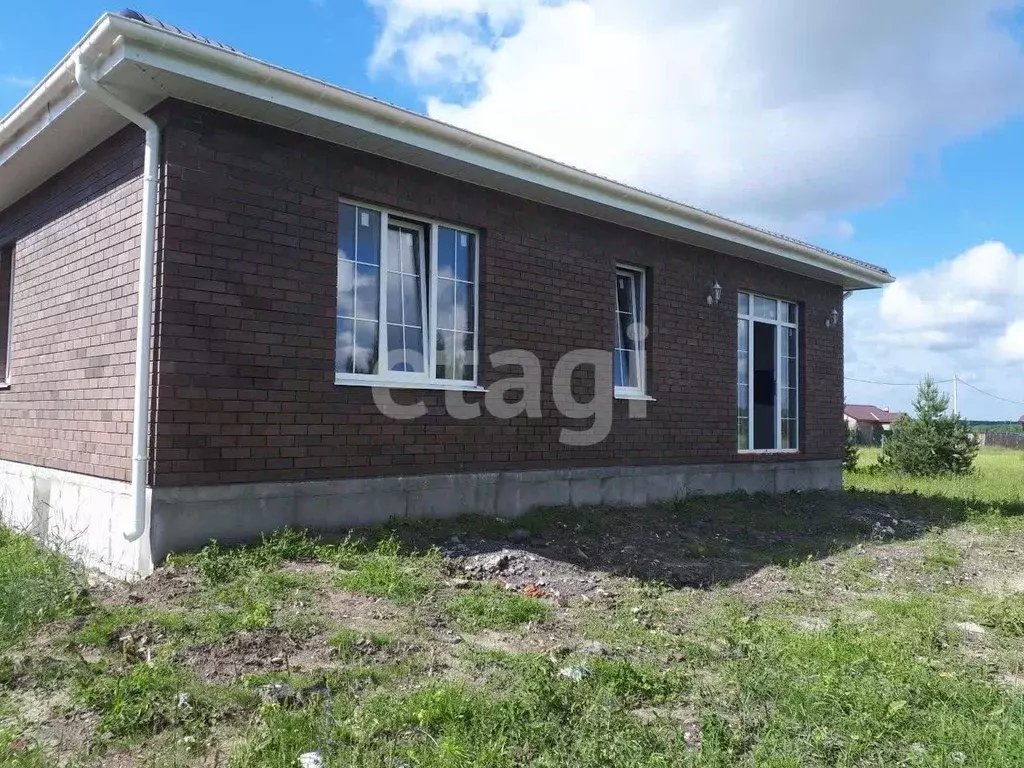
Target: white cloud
{"type": "Point", "coordinates": [1011, 344]}
{"type": "Point", "coordinates": [782, 112]}
{"type": "Point", "coordinates": [962, 316]}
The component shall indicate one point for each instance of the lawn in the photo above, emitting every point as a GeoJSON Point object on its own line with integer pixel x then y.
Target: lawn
{"type": "Point", "coordinates": [883, 626]}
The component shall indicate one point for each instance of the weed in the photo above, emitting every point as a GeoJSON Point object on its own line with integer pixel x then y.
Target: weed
{"type": "Point", "coordinates": [18, 752]}
{"type": "Point", "coordinates": [939, 554]}
{"type": "Point", "coordinates": [386, 572]}
{"type": "Point", "coordinates": [1003, 614]}
{"type": "Point", "coordinates": [143, 700]}
{"type": "Point", "coordinates": [37, 585]}
{"type": "Point", "coordinates": [491, 607]}
{"type": "Point", "coordinates": [349, 644]}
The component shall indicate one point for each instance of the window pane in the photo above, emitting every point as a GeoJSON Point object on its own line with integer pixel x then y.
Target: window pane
{"type": "Point", "coordinates": [6, 309]}
{"type": "Point", "coordinates": [628, 331]}
{"type": "Point", "coordinates": [445, 303]}
{"type": "Point", "coordinates": [446, 244]}
{"type": "Point", "coordinates": [411, 301]}
{"type": "Point", "coordinates": [346, 288]}
{"type": "Point", "coordinates": [347, 232]}
{"type": "Point", "coordinates": [743, 384]}
{"type": "Point", "coordinates": [414, 350]}
{"type": "Point", "coordinates": [744, 303]}
{"type": "Point", "coordinates": [789, 312]}
{"type": "Point", "coordinates": [394, 298]}
{"type": "Point", "coordinates": [766, 308]}
{"type": "Point", "coordinates": [463, 358]}
{"type": "Point", "coordinates": [464, 256]}
{"type": "Point", "coordinates": [367, 292]}
{"type": "Point", "coordinates": [364, 355]}
{"type": "Point", "coordinates": [368, 236]}
{"type": "Point", "coordinates": [405, 310]}
{"type": "Point", "coordinates": [456, 305]}
{"type": "Point", "coordinates": [345, 345]}
{"type": "Point", "coordinates": [621, 361]}
{"type": "Point", "coordinates": [358, 289]}
{"type": "Point", "coordinates": [445, 354]}
{"type": "Point", "coordinates": [463, 307]}
{"type": "Point", "coordinates": [396, 348]}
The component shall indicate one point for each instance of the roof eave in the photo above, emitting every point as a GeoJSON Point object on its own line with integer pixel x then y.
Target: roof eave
{"type": "Point", "coordinates": [203, 61]}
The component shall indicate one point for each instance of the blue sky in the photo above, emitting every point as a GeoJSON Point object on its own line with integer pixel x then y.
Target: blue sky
{"type": "Point", "coordinates": [894, 136]}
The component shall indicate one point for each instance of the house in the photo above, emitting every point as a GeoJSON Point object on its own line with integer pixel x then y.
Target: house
{"type": "Point", "coordinates": [870, 422]}
{"type": "Point", "coordinates": [239, 298]}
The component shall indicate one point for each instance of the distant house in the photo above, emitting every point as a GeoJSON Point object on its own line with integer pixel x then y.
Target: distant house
{"type": "Point", "coordinates": [870, 422]}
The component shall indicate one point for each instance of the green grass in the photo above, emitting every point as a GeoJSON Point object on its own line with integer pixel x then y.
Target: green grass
{"type": "Point", "coordinates": [388, 572]}
{"type": "Point", "coordinates": [813, 640]}
{"type": "Point", "coordinates": [37, 585]}
{"type": "Point", "coordinates": [895, 692]}
{"type": "Point", "coordinates": [996, 479]}
{"type": "Point", "coordinates": [492, 607]}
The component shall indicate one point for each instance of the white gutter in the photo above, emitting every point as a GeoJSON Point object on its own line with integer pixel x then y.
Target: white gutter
{"type": "Point", "coordinates": [144, 329]}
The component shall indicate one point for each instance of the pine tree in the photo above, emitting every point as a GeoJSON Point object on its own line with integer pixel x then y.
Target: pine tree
{"type": "Point", "coordinates": [934, 442]}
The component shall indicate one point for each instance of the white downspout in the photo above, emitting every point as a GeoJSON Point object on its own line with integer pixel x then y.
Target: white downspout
{"type": "Point", "coordinates": [144, 331]}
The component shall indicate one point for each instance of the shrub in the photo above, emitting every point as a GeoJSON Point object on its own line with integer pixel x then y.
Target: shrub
{"type": "Point", "coordinates": [850, 453]}
{"type": "Point", "coordinates": [934, 442]}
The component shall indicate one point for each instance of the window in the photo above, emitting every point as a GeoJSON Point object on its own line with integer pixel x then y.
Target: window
{"type": "Point", "coordinates": [767, 375]}
{"type": "Point", "coordinates": [407, 297]}
{"type": "Point", "coordinates": [629, 361]}
{"type": "Point", "coordinates": [6, 310]}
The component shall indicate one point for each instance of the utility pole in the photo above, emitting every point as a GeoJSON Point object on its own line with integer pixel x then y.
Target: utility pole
{"type": "Point", "coordinates": [956, 410]}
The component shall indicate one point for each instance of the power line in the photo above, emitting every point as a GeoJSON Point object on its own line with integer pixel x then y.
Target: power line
{"type": "Point", "coordinates": [944, 381]}
{"type": "Point", "coordinates": [893, 383]}
{"type": "Point", "coordinates": [996, 397]}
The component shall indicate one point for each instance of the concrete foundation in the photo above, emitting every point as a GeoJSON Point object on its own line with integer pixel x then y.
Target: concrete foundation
{"type": "Point", "coordinates": [86, 516]}
{"type": "Point", "coordinates": [80, 515]}
{"type": "Point", "coordinates": [187, 518]}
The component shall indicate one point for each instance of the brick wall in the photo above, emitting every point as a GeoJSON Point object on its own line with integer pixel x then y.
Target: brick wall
{"type": "Point", "coordinates": [76, 242]}
{"type": "Point", "coordinates": [244, 376]}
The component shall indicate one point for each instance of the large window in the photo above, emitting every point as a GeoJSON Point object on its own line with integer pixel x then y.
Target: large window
{"type": "Point", "coordinates": [767, 375]}
{"type": "Point", "coordinates": [407, 297]}
{"type": "Point", "coordinates": [629, 365]}
{"type": "Point", "coordinates": [6, 310]}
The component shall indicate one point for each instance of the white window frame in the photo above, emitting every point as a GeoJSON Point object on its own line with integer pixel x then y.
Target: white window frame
{"type": "Point", "coordinates": [5, 380]}
{"type": "Point", "coordinates": [779, 325]}
{"type": "Point", "coordinates": [638, 274]}
{"type": "Point", "coordinates": [428, 271]}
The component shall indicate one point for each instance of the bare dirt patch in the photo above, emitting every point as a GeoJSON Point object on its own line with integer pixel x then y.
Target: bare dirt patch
{"type": "Point", "coordinates": [258, 652]}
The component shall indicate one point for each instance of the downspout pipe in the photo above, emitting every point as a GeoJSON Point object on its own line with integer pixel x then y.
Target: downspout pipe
{"type": "Point", "coordinates": [144, 330]}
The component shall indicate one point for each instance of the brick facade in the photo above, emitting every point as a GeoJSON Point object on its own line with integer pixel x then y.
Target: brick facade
{"type": "Point", "coordinates": [244, 361]}
{"type": "Point", "coordinates": [76, 241]}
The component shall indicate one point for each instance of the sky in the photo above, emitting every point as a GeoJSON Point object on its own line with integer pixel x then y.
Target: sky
{"type": "Point", "coordinates": [892, 132]}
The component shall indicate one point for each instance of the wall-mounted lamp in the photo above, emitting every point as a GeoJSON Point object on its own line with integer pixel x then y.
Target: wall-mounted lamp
{"type": "Point", "coordinates": [833, 318]}
{"type": "Point", "coordinates": [714, 294]}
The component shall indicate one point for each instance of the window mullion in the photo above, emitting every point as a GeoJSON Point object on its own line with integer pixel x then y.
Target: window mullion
{"type": "Point", "coordinates": [424, 310]}
{"type": "Point", "coordinates": [750, 384]}
{"type": "Point", "coordinates": [430, 331]}
{"type": "Point", "coordinates": [476, 308]}
{"type": "Point", "coordinates": [382, 307]}
{"type": "Point", "coordinates": [778, 387]}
